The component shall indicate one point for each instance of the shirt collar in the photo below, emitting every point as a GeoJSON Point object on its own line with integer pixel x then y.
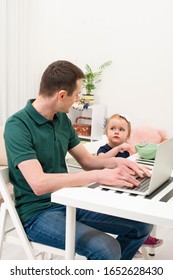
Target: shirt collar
{"type": "Point", "coordinates": [35, 115]}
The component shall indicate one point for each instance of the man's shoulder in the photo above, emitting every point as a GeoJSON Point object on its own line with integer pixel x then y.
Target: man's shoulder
{"type": "Point", "coordinates": [14, 124]}
{"type": "Point", "coordinates": [16, 117]}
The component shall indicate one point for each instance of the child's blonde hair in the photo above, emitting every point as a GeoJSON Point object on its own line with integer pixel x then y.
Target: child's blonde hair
{"type": "Point", "coordinates": [118, 116]}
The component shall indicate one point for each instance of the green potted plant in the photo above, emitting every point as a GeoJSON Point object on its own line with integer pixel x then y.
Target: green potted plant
{"type": "Point", "coordinates": [91, 79]}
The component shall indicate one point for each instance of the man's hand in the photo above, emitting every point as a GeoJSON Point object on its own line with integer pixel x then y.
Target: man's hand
{"type": "Point", "coordinates": [129, 166]}
{"type": "Point", "coordinates": [117, 176]}
{"type": "Point", "coordinates": [133, 168]}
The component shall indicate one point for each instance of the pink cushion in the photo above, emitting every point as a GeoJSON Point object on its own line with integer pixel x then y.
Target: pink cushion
{"type": "Point", "coordinates": [145, 134]}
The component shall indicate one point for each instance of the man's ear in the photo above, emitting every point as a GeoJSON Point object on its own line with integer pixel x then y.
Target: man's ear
{"type": "Point", "coordinates": [61, 94]}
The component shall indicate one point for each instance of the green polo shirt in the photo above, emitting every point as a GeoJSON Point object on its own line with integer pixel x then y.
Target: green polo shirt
{"type": "Point", "coordinates": [28, 135]}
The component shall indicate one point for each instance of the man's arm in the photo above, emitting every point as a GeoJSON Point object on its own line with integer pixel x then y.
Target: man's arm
{"type": "Point", "coordinates": [42, 183]}
{"type": "Point", "coordinates": [90, 162]}
{"type": "Point", "coordinates": [104, 171]}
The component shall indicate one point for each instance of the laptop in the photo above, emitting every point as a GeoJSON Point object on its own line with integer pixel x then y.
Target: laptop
{"type": "Point", "coordinates": [161, 171]}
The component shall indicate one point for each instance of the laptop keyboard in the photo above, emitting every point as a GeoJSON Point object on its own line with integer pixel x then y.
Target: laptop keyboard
{"type": "Point", "coordinates": [144, 183]}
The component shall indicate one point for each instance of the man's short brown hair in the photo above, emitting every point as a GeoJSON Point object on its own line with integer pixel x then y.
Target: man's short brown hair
{"type": "Point", "coordinates": [60, 75]}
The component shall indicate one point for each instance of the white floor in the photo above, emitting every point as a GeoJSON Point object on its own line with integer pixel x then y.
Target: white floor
{"type": "Point", "coordinates": [164, 252]}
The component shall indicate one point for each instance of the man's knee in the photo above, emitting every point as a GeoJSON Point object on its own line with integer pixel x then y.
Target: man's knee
{"type": "Point", "coordinates": [106, 248]}
{"type": "Point", "coordinates": [144, 229]}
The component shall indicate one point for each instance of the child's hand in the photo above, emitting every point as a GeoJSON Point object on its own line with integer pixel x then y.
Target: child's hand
{"type": "Point", "coordinates": [123, 147]}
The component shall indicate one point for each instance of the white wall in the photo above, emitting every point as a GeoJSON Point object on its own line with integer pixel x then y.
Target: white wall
{"type": "Point", "coordinates": [137, 35]}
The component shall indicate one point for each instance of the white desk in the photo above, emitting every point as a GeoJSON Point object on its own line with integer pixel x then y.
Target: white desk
{"type": "Point", "coordinates": [157, 209]}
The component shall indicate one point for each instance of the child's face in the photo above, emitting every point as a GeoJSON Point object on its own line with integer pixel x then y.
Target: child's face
{"type": "Point", "coordinates": [117, 131]}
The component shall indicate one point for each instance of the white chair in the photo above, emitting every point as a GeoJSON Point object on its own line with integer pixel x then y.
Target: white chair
{"type": "Point", "coordinates": [16, 234]}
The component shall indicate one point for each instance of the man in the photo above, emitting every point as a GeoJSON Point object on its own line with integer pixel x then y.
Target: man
{"type": "Point", "coordinates": [37, 139]}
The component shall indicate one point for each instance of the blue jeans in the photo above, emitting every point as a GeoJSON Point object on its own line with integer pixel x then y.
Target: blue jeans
{"type": "Point", "coordinates": [92, 240]}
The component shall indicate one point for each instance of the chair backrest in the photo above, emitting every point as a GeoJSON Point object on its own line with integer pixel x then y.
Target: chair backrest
{"type": "Point", "coordinates": [32, 249]}
{"type": "Point", "coordinates": [8, 206]}
{"type": "Point", "coordinates": [4, 182]}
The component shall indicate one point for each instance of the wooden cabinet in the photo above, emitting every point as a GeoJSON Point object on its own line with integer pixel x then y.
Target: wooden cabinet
{"type": "Point", "coordinates": [97, 115]}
